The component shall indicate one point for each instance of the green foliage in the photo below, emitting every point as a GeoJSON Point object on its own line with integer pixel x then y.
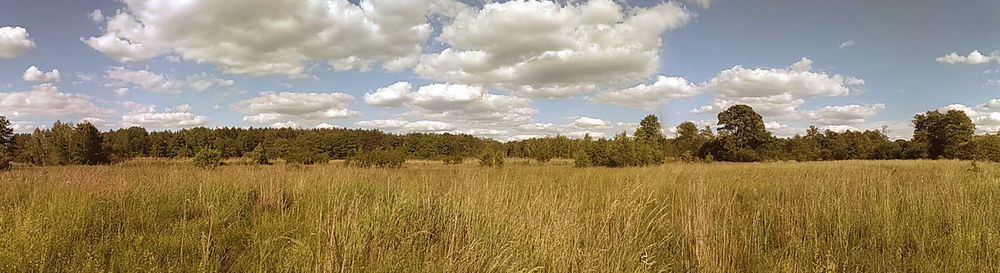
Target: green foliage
{"type": "Point", "coordinates": [307, 156]}
{"type": "Point", "coordinates": [207, 158]}
{"type": "Point", "coordinates": [378, 159]}
{"type": "Point", "coordinates": [5, 159]}
{"type": "Point", "coordinates": [581, 159]}
{"type": "Point", "coordinates": [258, 155]}
{"type": "Point", "coordinates": [944, 135]}
{"type": "Point", "coordinates": [87, 146]}
{"type": "Point", "coordinates": [492, 158]}
{"type": "Point", "coordinates": [454, 160]}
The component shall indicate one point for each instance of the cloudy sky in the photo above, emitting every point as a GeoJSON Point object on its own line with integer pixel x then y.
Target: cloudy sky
{"type": "Point", "coordinates": [505, 70]}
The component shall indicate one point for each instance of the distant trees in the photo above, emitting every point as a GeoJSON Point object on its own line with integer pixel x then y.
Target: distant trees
{"type": "Point", "coordinates": [378, 159]}
{"type": "Point", "coordinates": [741, 135]}
{"type": "Point", "coordinates": [6, 144]}
{"type": "Point", "coordinates": [943, 135]}
{"type": "Point", "coordinates": [492, 158]}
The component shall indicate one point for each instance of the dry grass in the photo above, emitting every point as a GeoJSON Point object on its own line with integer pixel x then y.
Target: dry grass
{"type": "Point", "coordinates": [793, 217]}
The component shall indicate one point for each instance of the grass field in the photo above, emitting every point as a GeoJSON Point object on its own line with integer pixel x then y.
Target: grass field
{"type": "Point", "coordinates": [160, 216]}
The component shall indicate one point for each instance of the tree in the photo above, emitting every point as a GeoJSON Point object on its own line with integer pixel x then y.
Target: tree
{"type": "Point", "coordinates": [87, 145]}
{"type": "Point", "coordinates": [650, 130]}
{"type": "Point", "coordinates": [745, 125]}
{"type": "Point", "coordinates": [6, 144]}
{"type": "Point", "coordinates": [944, 135]}
{"type": "Point", "coordinates": [741, 132]}
{"type": "Point", "coordinates": [258, 155]}
{"type": "Point", "coordinates": [208, 158]}
{"type": "Point", "coordinates": [688, 140]}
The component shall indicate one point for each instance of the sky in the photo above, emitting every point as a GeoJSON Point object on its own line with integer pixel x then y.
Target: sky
{"type": "Point", "coordinates": [505, 70]}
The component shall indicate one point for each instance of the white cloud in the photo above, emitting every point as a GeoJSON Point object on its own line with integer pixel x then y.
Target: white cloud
{"type": "Point", "coordinates": [14, 41]}
{"type": "Point", "coordinates": [296, 106]}
{"type": "Point", "coordinates": [775, 93]}
{"type": "Point", "coordinates": [591, 123]}
{"type": "Point", "coordinates": [407, 126]}
{"type": "Point", "coordinates": [986, 116]}
{"type": "Point", "coordinates": [33, 74]}
{"type": "Point", "coordinates": [97, 122]}
{"type": "Point", "coordinates": [47, 100]}
{"type": "Point", "coordinates": [287, 124]}
{"type": "Point", "coordinates": [325, 126]}
{"type": "Point", "coordinates": [177, 117]}
{"type": "Point", "coordinates": [121, 91]}
{"type": "Point", "coordinates": [974, 57]}
{"type": "Point", "coordinates": [279, 39]}
{"type": "Point", "coordinates": [846, 44]}
{"type": "Point", "coordinates": [469, 105]}
{"type": "Point", "coordinates": [204, 81]}
{"type": "Point", "coordinates": [121, 77]}
{"type": "Point", "coordinates": [394, 95]}
{"type": "Point", "coordinates": [650, 97]}
{"type": "Point", "coordinates": [97, 16]}
{"type": "Point", "coordinates": [25, 126]}
{"type": "Point", "coordinates": [548, 49]}
{"type": "Point", "coordinates": [843, 114]}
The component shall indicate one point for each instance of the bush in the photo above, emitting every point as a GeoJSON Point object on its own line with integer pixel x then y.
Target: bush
{"type": "Point", "coordinates": [307, 157]}
{"type": "Point", "coordinates": [581, 159]}
{"type": "Point", "coordinates": [258, 156]}
{"type": "Point", "coordinates": [454, 160]}
{"type": "Point", "coordinates": [208, 158]}
{"type": "Point", "coordinates": [5, 160]}
{"type": "Point", "coordinates": [378, 159]}
{"type": "Point", "coordinates": [491, 159]}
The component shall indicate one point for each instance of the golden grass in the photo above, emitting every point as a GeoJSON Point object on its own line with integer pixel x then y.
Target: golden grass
{"type": "Point", "coordinates": [147, 215]}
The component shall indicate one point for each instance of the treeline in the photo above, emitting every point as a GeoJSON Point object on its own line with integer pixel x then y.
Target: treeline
{"type": "Point", "coordinates": [740, 137]}
{"type": "Point", "coordinates": [67, 144]}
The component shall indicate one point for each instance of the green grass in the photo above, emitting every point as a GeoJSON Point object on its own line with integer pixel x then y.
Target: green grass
{"type": "Point", "coordinates": [168, 216]}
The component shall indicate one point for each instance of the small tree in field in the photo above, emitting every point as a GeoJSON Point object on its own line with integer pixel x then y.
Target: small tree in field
{"type": "Point", "coordinates": [5, 160]}
{"type": "Point", "coordinates": [258, 155]}
{"type": "Point", "coordinates": [581, 159]}
{"type": "Point", "coordinates": [491, 159]}
{"type": "Point", "coordinates": [208, 158]}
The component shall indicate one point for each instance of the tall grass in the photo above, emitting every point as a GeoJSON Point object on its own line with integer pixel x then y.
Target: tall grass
{"type": "Point", "coordinates": [887, 216]}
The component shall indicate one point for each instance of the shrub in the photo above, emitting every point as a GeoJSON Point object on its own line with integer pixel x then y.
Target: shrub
{"type": "Point", "coordinates": [208, 158]}
{"type": "Point", "coordinates": [378, 159]}
{"type": "Point", "coordinates": [454, 160]}
{"type": "Point", "coordinates": [5, 160]}
{"type": "Point", "coordinates": [491, 159]}
{"type": "Point", "coordinates": [307, 157]}
{"type": "Point", "coordinates": [581, 159]}
{"type": "Point", "coordinates": [258, 156]}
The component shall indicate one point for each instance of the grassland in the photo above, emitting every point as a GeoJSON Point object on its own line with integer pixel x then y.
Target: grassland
{"type": "Point", "coordinates": [889, 216]}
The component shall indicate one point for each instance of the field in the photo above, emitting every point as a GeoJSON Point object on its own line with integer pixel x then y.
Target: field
{"type": "Point", "coordinates": [167, 216]}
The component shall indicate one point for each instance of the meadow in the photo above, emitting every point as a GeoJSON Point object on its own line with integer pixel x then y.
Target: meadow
{"type": "Point", "coordinates": [168, 216]}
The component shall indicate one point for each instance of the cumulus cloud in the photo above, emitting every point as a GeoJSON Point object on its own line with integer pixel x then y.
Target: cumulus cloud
{"type": "Point", "coordinates": [14, 41]}
{"type": "Point", "coordinates": [986, 116]}
{"type": "Point", "coordinates": [171, 118]}
{"type": "Point", "coordinates": [296, 106]}
{"type": "Point", "coordinates": [25, 126]}
{"type": "Point", "coordinates": [652, 96]}
{"type": "Point", "coordinates": [97, 16]}
{"type": "Point", "coordinates": [775, 92]}
{"type": "Point", "coordinates": [121, 77]}
{"type": "Point", "coordinates": [843, 114]}
{"type": "Point", "coordinates": [33, 74]}
{"type": "Point", "coordinates": [973, 57]}
{"type": "Point", "coordinates": [279, 39]}
{"type": "Point", "coordinates": [846, 44]}
{"type": "Point", "coordinates": [591, 123]}
{"type": "Point", "coordinates": [204, 81]}
{"type": "Point", "coordinates": [423, 126]}
{"type": "Point", "coordinates": [47, 100]}
{"type": "Point", "coordinates": [548, 49]}
{"type": "Point", "coordinates": [454, 102]}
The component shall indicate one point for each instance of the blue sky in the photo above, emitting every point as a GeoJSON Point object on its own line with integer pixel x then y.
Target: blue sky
{"type": "Point", "coordinates": [504, 70]}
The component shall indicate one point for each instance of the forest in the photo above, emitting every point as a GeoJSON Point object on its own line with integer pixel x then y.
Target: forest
{"type": "Point", "coordinates": [740, 137]}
